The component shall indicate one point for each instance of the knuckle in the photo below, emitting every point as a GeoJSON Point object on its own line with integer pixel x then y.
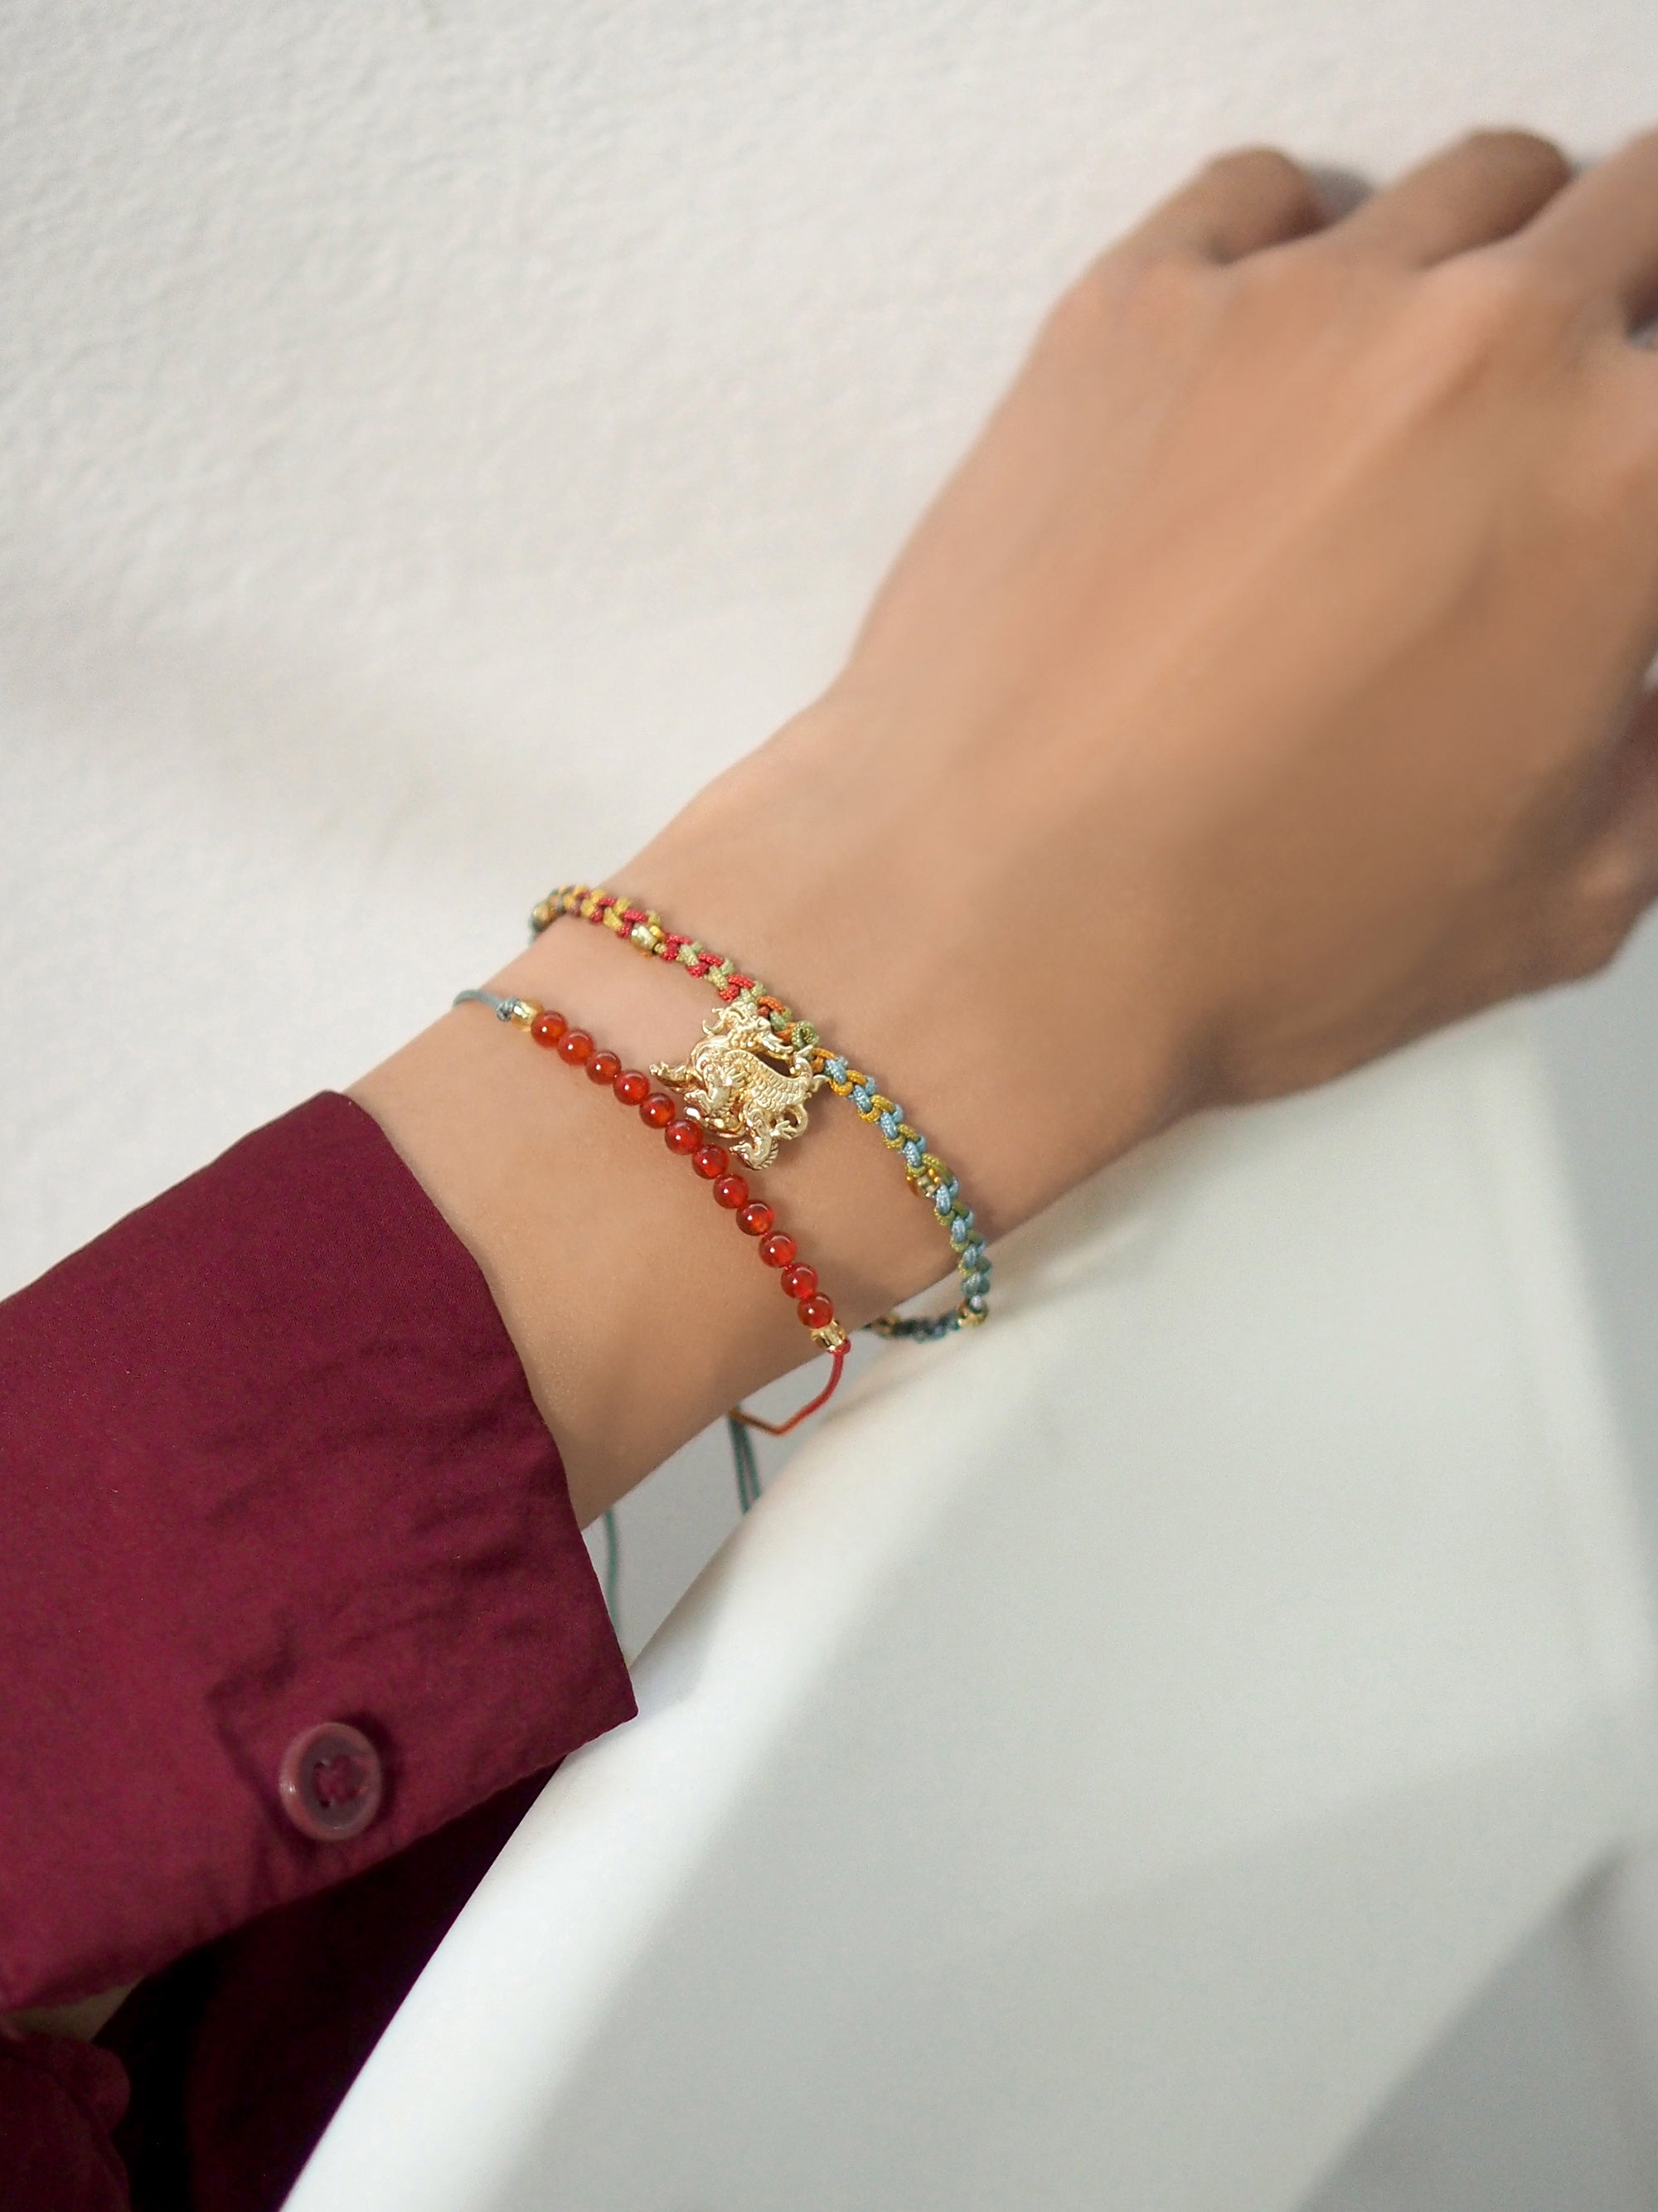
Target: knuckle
{"type": "Point", "coordinates": [1077, 317]}
{"type": "Point", "coordinates": [1486, 297]}
{"type": "Point", "coordinates": [1313, 273]}
{"type": "Point", "coordinates": [1301, 291]}
{"type": "Point", "coordinates": [1151, 291]}
{"type": "Point", "coordinates": [1480, 310]}
{"type": "Point", "coordinates": [1077, 321]}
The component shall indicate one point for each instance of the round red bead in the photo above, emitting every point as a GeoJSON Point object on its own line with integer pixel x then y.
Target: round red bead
{"type": "Point", "coordinates": [657, 1110]}
{"type": "Point", "coordinates": [755, 1220]}
{"type": "Point", "coordinates": [604, 1067]}
{"type": "Point", "coordinates": [709, 1161]}
{"type": "Point", "coordinates": [816, 1311]}
{"type": "Point", "coordinates": [777, 1250]}
{"type": "Point", "coordinates": [731, 1191]}
{"type": "Point", "coordinates": [574, 1046]}
{"type": "Point", "coordinates": [681, 1136]}
{"type": "Point", "coordinates": [632, 1088]}
{"type": "Point", "coordinates": [547, 1029]}
{"type": "Point", "coordinates": [800, 1281]}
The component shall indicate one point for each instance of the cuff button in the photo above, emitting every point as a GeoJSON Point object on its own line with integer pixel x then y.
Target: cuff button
{"type": "Point", "coordinates": [331, 1782]}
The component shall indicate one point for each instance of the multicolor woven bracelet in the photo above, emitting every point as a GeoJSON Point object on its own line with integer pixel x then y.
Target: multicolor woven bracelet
{"type": "Point", "coordinates": [685, 1137]}
{"type": "Point", "coordinates": [759, 1105]}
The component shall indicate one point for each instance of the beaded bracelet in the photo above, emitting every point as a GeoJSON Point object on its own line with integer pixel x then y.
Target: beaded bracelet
{"type": "Point", "coordinates": [757, 1021]}
{"type": "Point", "coordinates": [684, 1137]}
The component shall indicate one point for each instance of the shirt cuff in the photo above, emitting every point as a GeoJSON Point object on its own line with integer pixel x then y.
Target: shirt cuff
{"type": "Point", "coordinates": [58, 2101]}
{"type": "Point", "coordinates": [268, 1462]}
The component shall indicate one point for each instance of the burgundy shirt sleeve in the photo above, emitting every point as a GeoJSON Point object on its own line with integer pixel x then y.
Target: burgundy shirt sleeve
{"type": "Point", "coordinates": [59, 2103]}
{"type": "Point", "coordinates": [268, 1459]}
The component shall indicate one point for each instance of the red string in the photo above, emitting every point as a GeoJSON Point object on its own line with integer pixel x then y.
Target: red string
{"type": "Point", "coordinates": [781, 1428]}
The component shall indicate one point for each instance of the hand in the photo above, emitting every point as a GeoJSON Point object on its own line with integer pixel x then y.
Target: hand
{"type": "Point", "coordinates": [1263, 689]}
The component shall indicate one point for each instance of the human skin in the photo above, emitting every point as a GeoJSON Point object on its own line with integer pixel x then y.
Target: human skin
{"type": "Point", "coordinates": [1263, 689]}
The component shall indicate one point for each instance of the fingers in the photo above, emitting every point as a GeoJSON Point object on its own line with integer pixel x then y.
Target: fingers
{"type": "Point", "coordinates": [1481, 189]}
{"type": "Point", "coordinates": [1602, 231]}
{"type": "Point", "coordinates": [1237, 204]}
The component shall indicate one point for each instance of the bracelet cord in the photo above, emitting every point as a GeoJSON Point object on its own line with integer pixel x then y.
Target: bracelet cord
{"type": "Point", "coordinates": [924, 1172]}
{"type": "Point", "coordinates": [683, 1138]}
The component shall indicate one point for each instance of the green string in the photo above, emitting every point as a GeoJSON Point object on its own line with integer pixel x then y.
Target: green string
{"type": "Point", "coordinates": [748, 1494]}
{"type": "Point", "coordinates": [748, 1467]}
{"type": "Point", "coordinates": [612, 1567]}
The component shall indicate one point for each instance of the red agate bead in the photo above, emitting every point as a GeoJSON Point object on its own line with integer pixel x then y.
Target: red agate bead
{"type": "Point", "coordinates": [756, 1219]}
{"type": "Point", "coordinates": [681, 1136]}
{"type": "Point", "coordinates": [709, 1161]}
{"type": "Point", "coordinates": [798, 1281]}
{"type": "Point", "coordinates": [547, 1029]}
{"type": "Point", "coordinates": [777, 1250]}
{"type": "Point", "coordinates": [604, 1067]}
{"type": "Point", "coordinates": [816, 1311]}
{"type": "Point", "coordinates": [656, 1111]}
{"type": "Point", "coordinates": [574, 1046]}
{"type": "Point", "coordinates": [632, 1087]}
{"type": "Point", "coordinates": [731, 1191]}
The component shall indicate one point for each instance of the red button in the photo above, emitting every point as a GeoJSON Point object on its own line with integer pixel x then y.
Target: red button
{"type": "Point", "coordinates": [331, 1782]}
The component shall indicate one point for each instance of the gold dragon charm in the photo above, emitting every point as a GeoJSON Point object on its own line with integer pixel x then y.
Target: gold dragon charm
{"type": "Point", "coordinates": [748, 1087]}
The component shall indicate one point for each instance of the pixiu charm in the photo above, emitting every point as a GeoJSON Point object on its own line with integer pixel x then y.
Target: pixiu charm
{"type": "Point", "coordinates": [745, 1084]}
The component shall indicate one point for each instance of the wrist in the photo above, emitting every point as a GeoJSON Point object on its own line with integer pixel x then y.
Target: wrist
{"type": "Point", "coordinates": [837, 1188]}
{"type": "Point", "coordinates": [1024, 1094]}
{"type": "Point", "coordinates": [638, 1315]}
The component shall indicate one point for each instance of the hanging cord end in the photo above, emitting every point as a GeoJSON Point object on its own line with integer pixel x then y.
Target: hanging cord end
{"type": "Point", "coordinates": [833, 1340]}
{"type": "Point", "coordinates": [748, 1466]}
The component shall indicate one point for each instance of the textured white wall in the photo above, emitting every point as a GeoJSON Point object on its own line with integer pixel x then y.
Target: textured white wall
{"type": "Point", "coordinates": [434, 436]}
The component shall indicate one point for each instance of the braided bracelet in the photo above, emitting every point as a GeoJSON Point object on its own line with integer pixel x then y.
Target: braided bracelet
{"type": "Point", "coordinates": [757, 1022]}
{"type": "Point", "coordinates": [686, 1138]}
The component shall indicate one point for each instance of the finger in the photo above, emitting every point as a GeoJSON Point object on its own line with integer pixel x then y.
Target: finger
{"type": "Point", "coordinates": [1235, 204]}
{"type": "Point", "coordinates": [1469, 195]}
{"type": "Point", "coordinates": [1601, 232]}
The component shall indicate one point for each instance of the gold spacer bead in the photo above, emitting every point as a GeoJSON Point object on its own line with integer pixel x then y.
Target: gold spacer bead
{"type": "Point", "coordinates": [830, 1339]}
{"type": "Point", "coordinates": [524, 1011]}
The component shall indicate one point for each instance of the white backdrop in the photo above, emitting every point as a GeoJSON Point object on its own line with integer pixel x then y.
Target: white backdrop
{"type": "Point", "coordinates": [435, 436]}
